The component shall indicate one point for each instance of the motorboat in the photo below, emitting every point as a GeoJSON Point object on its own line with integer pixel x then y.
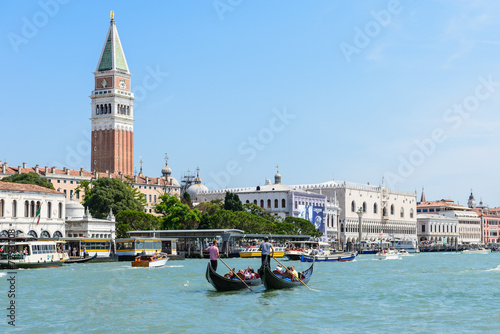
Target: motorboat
{"type": "Point", "coordinates": [387, 254]}
{"type": "Point", "coordinates": [329, 257]}
{"type": "Point", "coordinates": [403, 252]}
{"type": "Point", "coordinates": [155, 260]}
{"type": "Point", "coordinates": [295, 249]}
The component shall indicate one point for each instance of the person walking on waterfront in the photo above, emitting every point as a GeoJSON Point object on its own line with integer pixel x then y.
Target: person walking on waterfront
{"type": "Point", "coordinates": [265, 249]}
{"type": "Point", "coordinates": [214, 254]}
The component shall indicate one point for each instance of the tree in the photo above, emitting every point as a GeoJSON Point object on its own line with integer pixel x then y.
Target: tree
{"type": "Point", "coordinates": [29, 178]}
{"type": "Point", "coordinates": [232, 202]}
{"type": "Point", "coordinates": [138, 220]}
{"type": "Point", "coordinates": [303, 226]}
{"type": "Point", "coordinates": [186, 199]}
{"type": "Point", "coordinates": [106, 193]}
{"type": "Point", "coordinates": [175, 215]}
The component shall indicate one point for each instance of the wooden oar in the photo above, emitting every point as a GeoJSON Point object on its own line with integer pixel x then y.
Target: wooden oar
{"type": "Point", "coordinates": [292, 273]}
{"type": "Point", "coordinates": [231, 270]}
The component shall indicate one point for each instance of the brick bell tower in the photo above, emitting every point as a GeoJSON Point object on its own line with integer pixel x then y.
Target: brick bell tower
{"type": "Point", "coordinates": [112, 110]}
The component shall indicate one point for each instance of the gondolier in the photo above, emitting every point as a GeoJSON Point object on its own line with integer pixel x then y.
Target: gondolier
{"type": "Point", "coordinates": [265, 249]}
{"type": "Point", "coordinates": [214, 254]}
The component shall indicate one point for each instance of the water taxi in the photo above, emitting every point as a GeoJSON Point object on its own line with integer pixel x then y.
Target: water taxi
{"type": "Point", "coordinates": [155, 260]}
{"type": "Point", "coordinates": [329, 257]}
{"type": "Point", "coordinates": [387, 254]}
{"type": "Point", "coordinates": [476, 251]}
{"type": "Point", "coordinates": [29, 254]}
{"type": "Point", "coordinates": [296, 249]}
{"type": "Point", "coordinates": [254, 251]}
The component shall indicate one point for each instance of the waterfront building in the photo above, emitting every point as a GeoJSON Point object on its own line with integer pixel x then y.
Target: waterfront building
{"type": "Point", "coordinates": [490, 223]}
{"type": "Point", "coordinates": [81, 224]}
{"type": "Point", "coordinates": [369, 213]}
{"type": "Point", "coordinates": [19, 205]}
{"type": "Point", "coordinates": [437, 229]}
{"type": "Point", "coordinates": [469, 222]}
{"type": "Point", "coordinates": [285, 201]}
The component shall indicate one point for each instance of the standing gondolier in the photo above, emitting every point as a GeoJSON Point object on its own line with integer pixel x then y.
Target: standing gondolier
{"type": "Point", "coordinates": [265, 249]}
{"type": "Point", "coordinates": [214, 254]}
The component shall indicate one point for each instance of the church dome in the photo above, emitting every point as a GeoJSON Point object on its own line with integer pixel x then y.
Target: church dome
{"type": "Point", "coordinates": [195, 189]}
{"type": "Point", "coordinates": [277, 178]}
{"type": "Point", "coordinates": [166, 171]}
{"type": "Point", "coordinates": [74, 209]}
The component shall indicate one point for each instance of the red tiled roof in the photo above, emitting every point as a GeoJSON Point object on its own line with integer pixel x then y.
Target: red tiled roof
{"type": "Point", "coordinates": [26, 187]}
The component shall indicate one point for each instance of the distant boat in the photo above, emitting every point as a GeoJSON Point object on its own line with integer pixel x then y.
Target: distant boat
{"type": "Point", "coordinates": [81, 259]}
{"type": "Point", "coordinates": [329, 257]}
{"type": "Point", "coordinates": [155, 260]}
{"type": "Point", "coordinates": [221, 283]}
{"type": "Point", "coordinates": [388, 254]}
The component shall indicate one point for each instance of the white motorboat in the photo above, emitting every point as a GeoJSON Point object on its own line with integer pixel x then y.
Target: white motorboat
{"type": "Point", "coordinates": [155, 260]}
{"type": "Point", "coordinates": [403, 252]}
{"type": "Point", "coordinates": [387, 254]}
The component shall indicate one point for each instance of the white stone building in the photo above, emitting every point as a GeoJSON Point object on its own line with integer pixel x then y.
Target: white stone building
{"type": "Point", "coordinates": [469, 225]}
{"type": "Point", "coordinates": [433, 228]}
{"type": "Point", "coordinates": [385, 213]}
{"type": "Point", "coordinates": [19, 204]}
{"type": "Point", "coordinates": [81, 224]}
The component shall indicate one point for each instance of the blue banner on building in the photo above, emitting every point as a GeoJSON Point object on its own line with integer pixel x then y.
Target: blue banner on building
{"type": "Point", "coordinates": [314, 214]}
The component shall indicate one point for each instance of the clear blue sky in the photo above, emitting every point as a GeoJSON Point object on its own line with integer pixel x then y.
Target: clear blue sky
{"type": "Point", "coordinates": [362, 82]}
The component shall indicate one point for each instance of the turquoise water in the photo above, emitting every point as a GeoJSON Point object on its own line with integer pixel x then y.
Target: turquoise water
{"type": "Point", "coordinates": [441, 293]}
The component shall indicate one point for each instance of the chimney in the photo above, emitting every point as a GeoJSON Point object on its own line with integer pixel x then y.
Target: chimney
{"type": "Point", "coordinates": [67, 171]}
{"type": "Point", "coordinates": [46, 170]}
{"type": "Point", "coordinates": [81, 171]}
{"type": "Point", "coordinates": [4, 168]}
{"type": "Point", "coordinates": [158, 181]}
{"type": "Point", "coordinates": [135, 178]}
{"type": "Point", "coordinates": [147, 179]}
{"type": "Point", "coordinates": [37, 169]}
{"type": "Point", "coordinates": [18, 169]}
{"type": "Point", "coordinates": [53, 169]}
{"type": "Point", "coordinates": [24, 164]}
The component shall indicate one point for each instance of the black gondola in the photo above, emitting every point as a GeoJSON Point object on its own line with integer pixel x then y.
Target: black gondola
{"type": "Point", "coordinates": [81, 260]}
{"type": "Point", "coordinates": [221, 283]}
{"type": "Point", "coordinates": [271, 281]}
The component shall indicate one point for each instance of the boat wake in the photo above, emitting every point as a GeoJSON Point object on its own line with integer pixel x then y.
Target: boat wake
{"type": "Point", "coordinates": [3, 274]}
{"type": "Point", "coordinates": [497, 268]}
{"type": "Point", "coordinates": [180, 266]}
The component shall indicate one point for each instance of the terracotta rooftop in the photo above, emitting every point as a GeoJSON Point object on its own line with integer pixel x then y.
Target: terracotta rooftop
{"type": "Point", "coordinates": [9, 186]}
{"type": "Point", "coordinates": [448, 203]}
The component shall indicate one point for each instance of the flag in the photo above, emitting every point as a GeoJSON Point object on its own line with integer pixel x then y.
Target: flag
{"type": "Point", "coordinates": [37, 217]}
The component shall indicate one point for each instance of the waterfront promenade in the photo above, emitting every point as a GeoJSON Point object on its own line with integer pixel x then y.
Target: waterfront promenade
{"type": "Point", "coordinates": [422, 293]}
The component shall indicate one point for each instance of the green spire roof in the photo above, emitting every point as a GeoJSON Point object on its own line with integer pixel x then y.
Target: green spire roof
{"type": "Point", "coordinates": [112, 56]}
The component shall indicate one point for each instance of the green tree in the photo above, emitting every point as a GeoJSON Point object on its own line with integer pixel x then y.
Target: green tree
{"type": "Point", "coordinates": [106, 193]}
{"type": "Point", "coordinates": [232, 202]}
{"type": "Point", "coordinates": [138, 220]}
{"type": "Point", "coordinates": [29, 178]}
{"type": "Point", "coordinates": [175, 215]}
{"type": "Point", "coordinates": [303, 226]}
{"type": "Point", "coordinates": [186, 199]}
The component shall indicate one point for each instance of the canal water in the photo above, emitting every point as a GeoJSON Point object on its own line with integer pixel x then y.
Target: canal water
{"type": "Point", "coordinates": [422, 293]}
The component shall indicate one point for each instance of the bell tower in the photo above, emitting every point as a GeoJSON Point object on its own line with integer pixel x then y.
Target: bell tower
{"type": "Point", "coordinates": [112, 114]}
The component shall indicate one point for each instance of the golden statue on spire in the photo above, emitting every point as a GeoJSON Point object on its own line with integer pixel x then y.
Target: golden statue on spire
{"type": "Point", "coordinates": [112, 14]}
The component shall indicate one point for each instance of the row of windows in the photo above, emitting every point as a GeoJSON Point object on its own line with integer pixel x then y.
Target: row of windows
{"type": "Point", "coordinates": [428, 210]}
{"type": "Point", "coordinates": [44, 234]}
{"type": "Point", "coordinates": [30, 208]}
{"type": "Point", "coordinates": [43, 249]}
{"type": "Point", "coordinates": [152, 199]}
{"type": "Point", "coordinates": [65, 181]}
{"type": "Point", "coordinates": [276, 203]}
{"type": "Point", "coordinates": [438, 229]}
{"type": "Point", "coordinates": [384, 210]}
{"type": "Point", "coordinates": [378, 229]}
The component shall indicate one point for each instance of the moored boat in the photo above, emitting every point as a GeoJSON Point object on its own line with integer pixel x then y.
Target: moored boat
{"type": "Point", "coordinates": [254, 251]}
{"type": "Point", "coordinates": [273, 281]}
{"type": "Point", "coordinates": [387, 254]}
{"type": "Point", "coordinates": [221, 283]}
{"type": "Point", "coordinates": [329, 257]}
{"type": "Point", "coordinates": [155, 260]}
{"type": "Point", "coordinates": [81, 259]}
{"type": "Point", "coordinates": [29, 254]}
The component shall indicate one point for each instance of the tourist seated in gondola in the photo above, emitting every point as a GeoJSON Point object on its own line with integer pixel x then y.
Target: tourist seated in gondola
{"type": "Point", "coordinates": [279, 270]}
{"type": "Point", "coordinates": [230, 274]}
{"type": "Point", "coordinates": [294, 272]}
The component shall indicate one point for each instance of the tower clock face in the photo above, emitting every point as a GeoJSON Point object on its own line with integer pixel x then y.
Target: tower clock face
{"type": "Point", "coordinates": [104, 83]}
{"type": "Point", "coordinates": [123, 85]}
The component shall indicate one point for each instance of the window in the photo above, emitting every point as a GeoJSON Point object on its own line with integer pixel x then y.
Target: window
{"type": "Point", "coordinates": [32, 209]}
{"type": "Point", "coordinates": [57, 234]}
{"type": "Point", "coordinates": [149, 198]}
{"type": "Point", "coordinates": [60, 210]}
{"type": "Point", "coordinates": [295, 204]}
{"type": "Point", "coordinates": [33, 234]}
{"type": "Point", "coordinates": [353, 206]}
{"type": "Point", "coordinates": [14, 208]}
{"type": "Point", "coordinates": [384, 212]}
{"type": "Point", "coordinates": [154, 197]}
{"type": "Point", "coordinates": [255, 201]}
{"type": "Point", "coordinates": [283, 203]}
{"type": "Point", "coordinates": [49, 210]}
{"type": "Point", "coordinates": [45, 234]}
{"type": "Point", "coordinates": [402, 213]}
{"type": "Point", "coordinates": [247, 202]}
{"type": "Point", "coordinates": [375, 208]}
{"type": "Point", "coordinates": [2, 204]}
{"type": "Point", "coordinates": [276, 203]}
{"type": "Point", "coordinates": [261, 203]}
{"type": "Point", "coordinates": [364, 206]}
{"type": "Point", "coordinates": [392, 209]}
{"type": "Point", "coordinates": [26, 208]}
{"type": "Point", "coordinates": [411, 213]}
{"type": "Point", "coordinates": [269, 203]}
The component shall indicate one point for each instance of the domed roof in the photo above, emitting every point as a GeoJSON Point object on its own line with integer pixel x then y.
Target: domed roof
{"type": "Point", "coordinates": [166, 171]}
{"type": "Point", "coordinates": [195, 189]}
{"type": "Point", "coordinates": [173, 181]}
{"type": "Point", "coordinates": [74, 209]}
